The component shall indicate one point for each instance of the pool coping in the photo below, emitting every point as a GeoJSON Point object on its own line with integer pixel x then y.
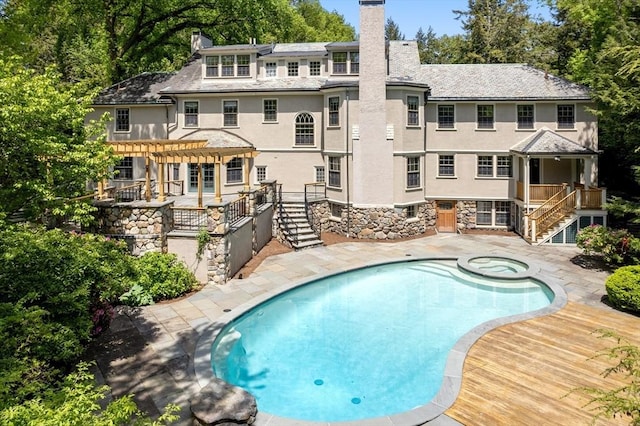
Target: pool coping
{"type": "Point", "coordinates": [452, 377]}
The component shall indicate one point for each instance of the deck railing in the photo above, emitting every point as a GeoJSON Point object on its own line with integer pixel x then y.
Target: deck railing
{"type": "Point", "coordinates": [189, 218]}
{"type": "Point", "coordinates": [538, 193]}
{"type": "Point", "coordinates": [238, 209]}
{"type": "Point", "coordinates": [129, 193]}
{"type": "Point", "coordinates": [314, 192]}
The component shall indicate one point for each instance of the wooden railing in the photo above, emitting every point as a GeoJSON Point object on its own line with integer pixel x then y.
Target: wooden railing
{"type": "Point", "coordinates": [538, 193]}
{"type": "Point", "coordinates": [547, 205]}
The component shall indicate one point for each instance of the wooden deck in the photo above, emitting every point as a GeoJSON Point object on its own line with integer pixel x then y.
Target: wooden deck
{"type": "Point", "coordinates": [519, 373]}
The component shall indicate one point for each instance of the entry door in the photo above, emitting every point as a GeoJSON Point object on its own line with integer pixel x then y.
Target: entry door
{"type": "Point", "coordinates": [208, 178]}
{"type": "Point", "coordinates": [534, 171]}
{"type": "Point", "coordinates": [446, 216]}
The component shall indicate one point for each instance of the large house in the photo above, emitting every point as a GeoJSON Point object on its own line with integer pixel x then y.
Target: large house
{"type": "Point", "coordinates": [399, 147]}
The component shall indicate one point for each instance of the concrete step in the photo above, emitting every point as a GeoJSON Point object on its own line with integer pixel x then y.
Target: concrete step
{"type": "Point", "coordinates": [307, 244]}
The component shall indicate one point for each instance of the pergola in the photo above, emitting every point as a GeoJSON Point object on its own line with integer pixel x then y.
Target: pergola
{"type": "Point", "coordinates": [202, 147]}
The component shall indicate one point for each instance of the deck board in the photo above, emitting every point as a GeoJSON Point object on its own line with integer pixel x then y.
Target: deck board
{"type": "Point", "coordinates": [523, 373]}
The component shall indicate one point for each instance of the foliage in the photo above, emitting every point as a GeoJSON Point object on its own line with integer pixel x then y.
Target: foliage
{"type": "Point", "coordinates": [623, 401]}
{"type": "Point", "coordinates": [78, 403]}
{"type": "Point", "coordinates": [616, 246]}
{"type": "Point", "coordinates": [47, 154]}
{"type": "Point", "coordinates": [159, 276]}
{"type": "Point", "coordinates": [623, 288]}
{"type": "Point", "coordinates": [203, 239]}
{"type": "Point", "coordinates": [310, 22]}
{"type": "Point", "coordinates": [623, 209]}
{"type": "Point", "coordinates": [392, 31]}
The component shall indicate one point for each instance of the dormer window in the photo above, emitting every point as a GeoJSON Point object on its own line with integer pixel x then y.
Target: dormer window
{"type": "Point", "coordinates": [227, 65]}
{"type": "Point", "coordinates": [271, 69]}
{"type": "Point", "coordinates": [346, 62]}
{"type": "Point", "coordinates": [354, 64]}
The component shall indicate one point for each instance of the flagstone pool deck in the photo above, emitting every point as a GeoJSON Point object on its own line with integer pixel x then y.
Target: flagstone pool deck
{"type": "Point", "coordinates": [149, 351]}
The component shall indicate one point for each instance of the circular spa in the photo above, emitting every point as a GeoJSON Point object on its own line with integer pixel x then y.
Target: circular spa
{"type": "Point", "coordinates": [371, 342]}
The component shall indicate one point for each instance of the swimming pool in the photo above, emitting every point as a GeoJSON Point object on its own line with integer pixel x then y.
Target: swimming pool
{"type": "Point", "coordinates": [372, 342]}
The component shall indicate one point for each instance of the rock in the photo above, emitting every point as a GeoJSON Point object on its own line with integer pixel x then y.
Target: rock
{"type": "Point", "coordinates": [220, 403]}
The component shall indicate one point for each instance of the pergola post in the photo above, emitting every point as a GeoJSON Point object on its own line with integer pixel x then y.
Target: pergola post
{"type": "Point", "coordinates": [218, 173]}
{"type": "Point", "coordinates": [200, 185]}
{"type": "Point", "coordinates": [246, 172]}
{"type": "Point", "coordinates": [161, 196]}
{"type": "Point", "coordinates": [147, 172]}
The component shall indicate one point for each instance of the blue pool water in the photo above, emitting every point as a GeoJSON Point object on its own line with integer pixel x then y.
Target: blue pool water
{"type": "Point", "coordinates": [363, 344]}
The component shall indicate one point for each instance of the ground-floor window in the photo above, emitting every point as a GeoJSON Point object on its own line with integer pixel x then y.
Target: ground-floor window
{"type": "Point", "coordinates": [412, 211]}
{"type": "Point", "coordinates": [336, 209]}
{"type": "Point", "coordinates": [493, 213]}
{"type": "Point", "coordinates": [124, 169]}
{"type": "Point", "coordinates": [334, 172]}
{"type": "Point", "coordinates": [208, 178]}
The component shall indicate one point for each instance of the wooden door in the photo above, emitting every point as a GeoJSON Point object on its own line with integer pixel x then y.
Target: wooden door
{"type": "Point", "coordinates": [446, 216]}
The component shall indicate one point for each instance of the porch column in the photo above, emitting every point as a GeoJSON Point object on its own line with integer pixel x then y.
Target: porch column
{"type": "Point", "coordinates": [199, 185]}
{"type": "Point", "coordinates": [161, 196]}
{"type": "Point", "coordinates": [218, 182]}
{"type": "Point", "coordinates": [527, 180]}
{"type": "Point", "coordinates": [586, 171]}
{"type": "Point", "coordinates": [101, 185]}
{"type": "Point", "coordinates": [246, 172]}
{"type": "Point", "coordinates": [147, 177]}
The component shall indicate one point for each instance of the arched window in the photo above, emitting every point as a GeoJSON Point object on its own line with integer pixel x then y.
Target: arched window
{"type": "Point", "coordinates": [304, 129]}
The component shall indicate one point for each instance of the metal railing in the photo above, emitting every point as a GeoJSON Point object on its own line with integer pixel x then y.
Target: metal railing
{"type": "Point", "coordinates": [129, 193]}
{"type": "Point", "coordinates": [189, 218]}
{"type": "Point", "coordinates": [238, 209]}
{"type": "Point", "coordinates": [284, 221]}
{"type": "Point", "coordinates": [314, 192]}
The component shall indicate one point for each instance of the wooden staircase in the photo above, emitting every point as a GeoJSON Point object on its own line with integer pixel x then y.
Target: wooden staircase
{"type": "Point", "coordinates": [295, 226]}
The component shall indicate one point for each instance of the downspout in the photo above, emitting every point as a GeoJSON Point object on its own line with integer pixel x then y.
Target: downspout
{"type": "Point", "coordinates": [427, 93]}
{"type": "Point", "coordinates": [347, 158]}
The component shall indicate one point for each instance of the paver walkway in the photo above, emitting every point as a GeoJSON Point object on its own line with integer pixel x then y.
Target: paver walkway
{"type": "Point", "coordinates": [149, 351]}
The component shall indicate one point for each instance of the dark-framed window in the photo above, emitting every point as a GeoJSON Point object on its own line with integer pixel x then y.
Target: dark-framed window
{"type": "Point", "coordinates": [504, 166]}
{"type": "Point", "coordinates": [566, 117]}
{"type": "Point", "coordinates": [191, 109]}
{"type": "Point", "coordinates": [413, 110]}
{"type": "Point", "coordinates": [339, 62]}
{"type": "Point", "coordinates": [292, 69]}
{"type": "Point", "coordinates": [334, 111]}
{"type": "Point", "coordinates": [525, 117]}
{"type": "Point", "coordinates": [446, 116]}
{"type": "Point", "coordinates": [413, 172]}
{"type": "Point", "coordinates": [485, 165]}
{"type": "Point", "coordinates": [124, 169]}
{"type": "Point", "coordinates": [446, 165]}
{"type": "Point", "coordinates": [411, 211]}
{"type": "Point", "coordinates": [314, 68]}
{"type": "Point", "coordinates": [123, 123]}
{"type": "Point", "coordinates": [234, 171]}
{"type": "Point", "coordinates": [271, 69]}
{"type": "Point", "coordinates": [270, 110]}
{"type": "Point", "coordinates": [354, 62]}
{"type": "Point", "coordinates": [334, 172]}
{"type": "Point", "coordinates": [230, 113]}
{"type": "Point", "coordinates": [485, 116]}
{"type": "Point", "coordinates": [304, 129]}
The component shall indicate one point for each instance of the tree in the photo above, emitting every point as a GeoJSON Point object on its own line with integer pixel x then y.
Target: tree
{"type": "Point", "coordinates": [426, 43]}
{"type": "Point", "coordinates": [392, 31]}
{"type": "Point", "coordinates": [316, 24]}
{"type": "Point", "coordinates": [47, 153]}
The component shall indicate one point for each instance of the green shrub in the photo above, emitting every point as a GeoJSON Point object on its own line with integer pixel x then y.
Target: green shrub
{"type": "Point", "coordinates": [623, 288]}
{"type": "Point", "coordinates": [159, 276]}
{"type": "Point", "coordinates": [616, 246]}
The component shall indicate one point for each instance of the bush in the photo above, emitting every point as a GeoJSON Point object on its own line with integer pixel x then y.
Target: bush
{"type": "Point", "coordinates": [623, 288]}
{"type": "Point", "coordinates": [616, 246]}
{"type": "Point", "coordinates": [159, 276]}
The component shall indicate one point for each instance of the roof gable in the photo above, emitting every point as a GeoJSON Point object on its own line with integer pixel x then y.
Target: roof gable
{"type": "Point", "coordinates": [547, 142]}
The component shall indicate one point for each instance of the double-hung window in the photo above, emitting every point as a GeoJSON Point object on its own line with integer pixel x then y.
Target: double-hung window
{"type": "Point", "coordinates": [122, 120]}
{"type": "Point", "coordinates": [339, 62]}
{"type": "Point", "coordinates": [230, 112]}
{"type": "Point", "coordinates": [270, 110]}
{"type": "Point", "coordinates": [242, 63]}
{"type": "Point", "coordinates": [228, 65]}
{"type": "Point", "coordinates": [446, 165]}
{"type": "Point", "coordinates": [334, 172]}
{"type": "Point", "coordinates": [334, 111]}
{"type": "Point", "coordinates": [124, 169]}
{"type": "Point", "coordinates": [503, 166]}
{"type": "Point", "coordinates": [234, 171]}
{"type": "Point", "coordinates": [503, 213]}
{"type": "Point", "coordinates": [304, 129]}
{"type": "Point", "coordinates": [212, 63]}
{"type": "Point", "coordinates": [493, 213]}
{"type": "Point", "coordinates": [566, 117]}
{"type": "Point", "coordinates": [413, 172]}
{"type": "Point", "coordinates": [485, 166]}
{"type": "Point", "coordinates": [485, 116]}
{"type": "Point", "coordinates": [446, 116]}
{"type": "Point", "coordinates": [354, 62]}
{"type": "Point", "coordinates": [525, 117]}
{"type": "Point", "coordinates": [191, 113]}
{"type": "Point", "coordinates": [413, 111]}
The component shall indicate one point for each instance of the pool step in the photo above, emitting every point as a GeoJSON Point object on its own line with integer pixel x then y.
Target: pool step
{"type": "Point", "coordinates": [295, 227]}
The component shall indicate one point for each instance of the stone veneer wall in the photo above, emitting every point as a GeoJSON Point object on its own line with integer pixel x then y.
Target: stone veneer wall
{"type": "Point", "coordinates": [376, 223]}
{"type": "Point", "coordinates": [466, 215]}
{"type": "Point", "coordinates": [219, 248]}
{"type": "Point", "coordinates": [144, 226]}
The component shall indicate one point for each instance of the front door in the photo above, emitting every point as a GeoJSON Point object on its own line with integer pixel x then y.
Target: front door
{"type": "Point", "coordinates": [208, 178]}
{"type": "Point", "coordinates": [446, 216]}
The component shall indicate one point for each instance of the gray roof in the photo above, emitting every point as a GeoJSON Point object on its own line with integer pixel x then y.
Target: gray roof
{"type": "Point", "coordinates": [497, 82]}
{"type": "Point", "coordinates": [547, 142]}
{"type": "Point", "coordinates": [141, 89]}
{"type": "Point", "coordinates": [404, 62]}
{"type": "Point", "coordinates": [218, 138]}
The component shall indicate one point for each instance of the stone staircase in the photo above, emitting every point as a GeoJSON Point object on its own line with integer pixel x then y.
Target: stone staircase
{"type": "Point", "coordinates": [295, 227]}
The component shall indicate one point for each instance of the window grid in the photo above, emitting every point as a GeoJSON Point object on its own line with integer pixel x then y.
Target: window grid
{"type": "Point", "coordinates": [504, 167]}
{"type": "Point", "coordinates": [413, 112]}
{"type": "Point", "coordinates": [354, 62]}
{"type": "Point", "coordinates": [124, 169]}
{"type": "Point", "coordinates": [243, 65]}
{"type": "Point", "coordinates": [485, 116]}
{"type": "Point", "coordinates": [503, 213]}
{"type": "Point", "coordinates": [304, 129]}
{"type": "Point", "coordinates": [271, 69]}
{"type": "Point", "coordinates": [413, 172]}
{"type": "Point", "coordinates": [566, 117]}
{"type": "Point", "coordinates": [191, 114]}
{"type": "Point", "coordinates": [525, 117]}
{"type": "Point", "coordinates": [314, 68]}
{"type": "Point", "coordinates": [292, 69]}
{"type": "Point", "coordinates": [339, 62]}
{"type": "Point", "coordinates": [334, 172]}
{"type": "Point", "coordinates": [446, 116]}
{"type": "Point", "coordinates": [230, 112]}
{"type": "Point", "coordinates": [122, 120]}
{"type": "Point", "coordinates": [445, 165]}
{"type": "Point", "coordinates": [212, 63]}
{"type": "Point", "coordinates": [208, 177]}
{"type": "Point", "coordinates": [334, 111]}
{"type": "Point", "coordinates": [261, 173]}
{"type": "Point", "coordinates": [234, 171]}
{"type": "Point", "coordinates": [483, 212]}
{"type": "Point", "coordinates": [485, 165]}
{"type": "Point", "coordinates": [270, 110]}
{"type": "Point", "coordinates": [320, 177]}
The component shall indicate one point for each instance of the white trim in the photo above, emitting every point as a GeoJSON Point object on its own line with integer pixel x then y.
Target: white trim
{"type": "Point", "coordinates": [491, 129]}
{"type": "Point", "coordinates": [184, 114]}
{"type": "Point", "coordinates": [406, 115]}
{"type": "Point", "coordinates": [115, 120]}
{"type": "Point", "coordinates": [455, 117]}
{"type": "Point", "coordinates": [235, 126]}
{"type": "Point", "coordinates": [277, 111]}
{"type": "Point", "coordinates": [533, 129]}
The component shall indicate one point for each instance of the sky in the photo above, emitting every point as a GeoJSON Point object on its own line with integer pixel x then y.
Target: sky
{"type": "Point", "coordinates": [413, 14]}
